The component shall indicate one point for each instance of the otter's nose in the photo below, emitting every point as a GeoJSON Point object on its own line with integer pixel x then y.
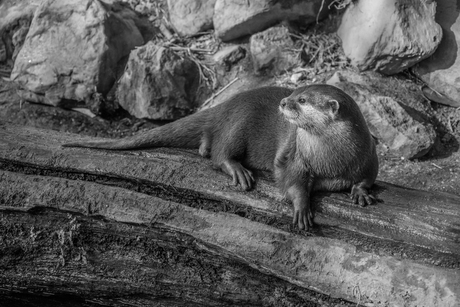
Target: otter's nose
{"type": "Point", "coordinates": [283, 102]}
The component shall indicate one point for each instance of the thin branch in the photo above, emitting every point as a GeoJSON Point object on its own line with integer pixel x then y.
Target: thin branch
{"type": "Point", "coordinates": [219, 92]}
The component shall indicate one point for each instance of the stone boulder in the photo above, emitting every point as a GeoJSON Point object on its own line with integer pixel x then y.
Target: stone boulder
{"type": "Point", "coordinates": [389, 36]}
{"type": "Point", "coordinates": [72, 51]}
{"type": "Point", "coordinates": [272, 50]}
{"type": "Point", "coordinates": [15, 19]}
{"type": "Point", "coordinates": [237, 18]}
{"type": "Point", "coordinates": [190, 17]}
{"type": "Point", "coordinates": [441, 70]}
{"type": "Point", "coordinates": [159, 84]}
{"type": "Point", "coordinates": [403, 130]}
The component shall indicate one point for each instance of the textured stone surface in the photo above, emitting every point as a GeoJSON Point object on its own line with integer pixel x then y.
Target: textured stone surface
{"type": "Point", "coordinates": [271, 50]}
{"type": "Point", "coordinates": [403, 130]}
{"type": "Point", "coordinates": [237, 18]}
{"type": "Point", "coordinates": [15, 19]}
{"type": "Point", "coordinates": [441, 70]}
{"type": "Point", "coordinates": [72, 50]}
{"type": "Point", "coordinates": [11, 10]}
{"type": "Point", "coordinates": [191, 16]}
{"type": "Point", "coordinates": [158, 84]}
{"type": "Point", "coordinates": [389, 35]}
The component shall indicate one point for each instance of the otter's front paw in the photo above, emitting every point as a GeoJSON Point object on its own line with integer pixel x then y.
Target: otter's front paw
{"type": "Point", "coordinates": [303, 217]}
{"type": "Point", "coordinates": [361, 196]}
{"type": "Point", "coordinates": [239, 174]}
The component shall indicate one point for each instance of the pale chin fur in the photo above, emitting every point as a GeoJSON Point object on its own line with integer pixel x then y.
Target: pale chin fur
{"type": "Point", "coordinates": [289, 116]}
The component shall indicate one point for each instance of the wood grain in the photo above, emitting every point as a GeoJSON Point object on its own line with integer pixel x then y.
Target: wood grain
{"type": "Point", "coordinates": [403, 251]}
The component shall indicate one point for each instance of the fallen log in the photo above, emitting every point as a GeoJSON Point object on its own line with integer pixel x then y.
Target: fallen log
{"type": "Point", "coordinates": [55, 257]}
{"type": "Point", "coordinates": [403, 251]}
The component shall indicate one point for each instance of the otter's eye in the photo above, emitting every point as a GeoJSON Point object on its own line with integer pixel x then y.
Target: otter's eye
{"type": "Point", "coordinates": [302, 100]}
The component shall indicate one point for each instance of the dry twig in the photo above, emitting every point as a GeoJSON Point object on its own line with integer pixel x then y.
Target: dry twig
{"type": "Point", "coordinates": [339, 4]}
{"type": "Point", "coordinates": [323, 53]}
{"type": "Point", "coordinates": [219, 92]}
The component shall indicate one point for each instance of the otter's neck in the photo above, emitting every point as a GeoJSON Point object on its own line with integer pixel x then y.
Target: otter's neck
{"type": "Point", "coordinates": [336, 133]}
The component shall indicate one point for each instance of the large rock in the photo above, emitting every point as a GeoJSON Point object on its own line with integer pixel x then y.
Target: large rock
{"type": "Point", "coordinates": [389, 36]}
{"type": "Point", "coordinates": [15, 19]}
{"type": "Point", "coordinates": [73, 50]}
{"type": "Point", "coordinates": [237, 18]}
{"type": "Point", "coordinates": [441, 70]}
{"type": "Point", "coordinates": [272, 50]}
{"type": "Point", "coordinates": [189, 17]}
{"type": "Point", "coordinates": [405, 131]}
{"type": "Point", "coordinates": [158, 84]}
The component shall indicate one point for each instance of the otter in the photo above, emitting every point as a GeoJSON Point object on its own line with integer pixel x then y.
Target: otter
{"type": "Point", "coordinates": [312, 138]}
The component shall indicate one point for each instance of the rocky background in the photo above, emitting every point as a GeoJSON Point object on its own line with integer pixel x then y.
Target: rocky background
{"type": "Point", "coordinates": [111, 68]}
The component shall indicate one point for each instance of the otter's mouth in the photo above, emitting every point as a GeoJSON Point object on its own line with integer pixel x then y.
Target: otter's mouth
{"type": "Point", "coordinates": [290, 115]}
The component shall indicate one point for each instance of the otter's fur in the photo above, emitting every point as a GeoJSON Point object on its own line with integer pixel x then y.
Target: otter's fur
{"type": "Point", "coordinates": [312, 138]}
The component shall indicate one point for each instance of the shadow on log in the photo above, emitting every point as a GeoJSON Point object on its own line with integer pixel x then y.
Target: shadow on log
{"type": "Point", "coordinates": [94, 223]}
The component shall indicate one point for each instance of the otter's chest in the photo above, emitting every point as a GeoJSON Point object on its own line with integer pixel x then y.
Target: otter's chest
{"type": "Point", "coordinates": [326, 158]}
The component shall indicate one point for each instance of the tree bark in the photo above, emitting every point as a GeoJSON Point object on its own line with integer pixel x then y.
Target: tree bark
{"type": "Point", "coordinates": [403, 251]}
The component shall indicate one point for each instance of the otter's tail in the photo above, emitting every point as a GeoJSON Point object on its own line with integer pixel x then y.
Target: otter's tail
{"type": "Point", "coordinates": [183, 133]}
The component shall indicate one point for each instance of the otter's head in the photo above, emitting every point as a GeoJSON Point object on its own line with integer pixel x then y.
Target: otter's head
{"type": "Point", "coordinates": [311, 108]}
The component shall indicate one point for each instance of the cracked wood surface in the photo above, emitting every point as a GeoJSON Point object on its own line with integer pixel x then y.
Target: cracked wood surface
{"type": "Point", "coordinates": [404, 250]}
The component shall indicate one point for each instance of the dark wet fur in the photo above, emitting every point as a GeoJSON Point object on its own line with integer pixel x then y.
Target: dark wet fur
{"type": "Point", "coordinates": [313, 152]}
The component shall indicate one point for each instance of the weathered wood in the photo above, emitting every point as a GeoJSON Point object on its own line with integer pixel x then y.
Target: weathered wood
{"type": "Point", "coordinates": [413, 216]}
{"type": "Point", "coordinates": [55, 258]}
{"type": "Point", "coordinates": [173, 184]}
{"type": "Point", "coordinates": [327, 265]}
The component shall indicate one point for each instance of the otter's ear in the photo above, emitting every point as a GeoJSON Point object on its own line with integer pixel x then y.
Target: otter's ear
{"type": "Point", "coordinates": [334, 106]}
